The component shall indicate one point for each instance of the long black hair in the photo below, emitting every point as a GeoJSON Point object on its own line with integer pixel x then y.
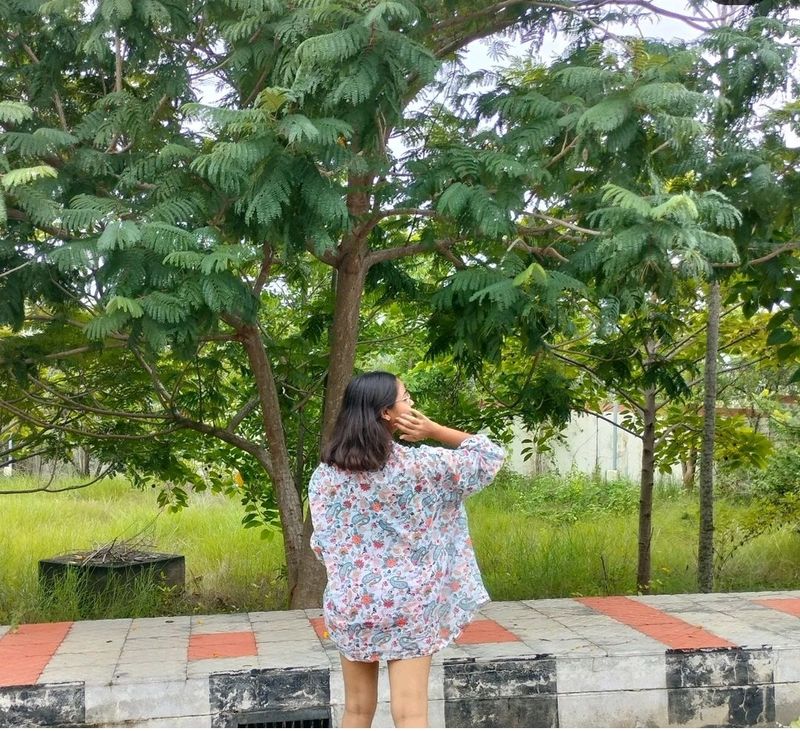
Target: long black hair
{"type": "Point", "coordinates": [362, 439]}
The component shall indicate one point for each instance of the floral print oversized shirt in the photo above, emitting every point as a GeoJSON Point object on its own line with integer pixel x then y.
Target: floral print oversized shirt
{"type": "Point", "coordinates": [402, 576]}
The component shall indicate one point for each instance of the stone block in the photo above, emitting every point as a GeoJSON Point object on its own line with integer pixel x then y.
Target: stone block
{"type": "Point", "coordinates": [175, 722]}
{"type": "Point", "coordinates": [620, 708]}
{"type": "Point", "coordinates": [537, 711]}
{"type": "Point", "coordinates": [611, 673]}
{"type": "Point", "coordinates": [787, 665]}
{"type": "Point", "coordinates": [499, 679]}
{"type": "Point", "coordinates": [42, 705]}
{"type": "Point", "coordinates": [697, 669]}
{"type": "Point", "coordinates": [739, 706]}
{"type": "Point", "coordinates": [112, 705]}
{"type": "Point", "coordinates": [135, 672]}
{"type": "Point", "coordinates": [266, 690]}
{"type": "Point", "coordinates": [787, 703]}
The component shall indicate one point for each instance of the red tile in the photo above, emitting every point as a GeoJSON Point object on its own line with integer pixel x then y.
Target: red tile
{"type": "Point", "coordinates": [222, 644]}
{"type": "Point", "coordinates": [485, 631]}
{"type": "Point", "coordinates": [26, 650]}
{"type": "Point", "coordinates": [318, 623]}
{"type": "Point", "coordinates": [669, 630]}
{"type": "Point", "coordinates": [789, 606]}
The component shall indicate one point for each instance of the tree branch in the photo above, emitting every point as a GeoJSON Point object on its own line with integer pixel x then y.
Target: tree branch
{"type": "Point", "coordinates": [242, 413]}
{"type": "Point", "coordinates": [561, 222]}
{"type": "Point", "coordinates": [81, 407]}
{"type": "Point", "coordinates": [326, 257]}
{"type": "Point", "coordinates": [163, 394]}
{"type": "Point", "coordinates": [792, 246]}
{"type": "Point", "coordinates": [263, 274]}
{"type": "Point", "coordinates": [16, 215]}
{"type": "Point", "coordinates": [252, 448]}
{"type": "Point", "coordinates": [118, 63]}
{"type": "Point", "coordinates": [398, 252]}
{"type": "Point", "coordinates": [630, 399]}
{"type": "Point", "coordinates": [610, 421]}
{"type": "Point", "coordinates": [47, 487]}
{"type": "Point", "coordinates": [56, 96]}
{"type": "Point", "coordinates": [9, 272]}
{"type": "Point", "coordinates": [543, 251]}
{"type": "Point", "coordinates": [28, 418]}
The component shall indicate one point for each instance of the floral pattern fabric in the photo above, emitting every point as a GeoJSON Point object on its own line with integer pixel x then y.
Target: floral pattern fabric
{"type": "Point", "coordinates": [402, 576]}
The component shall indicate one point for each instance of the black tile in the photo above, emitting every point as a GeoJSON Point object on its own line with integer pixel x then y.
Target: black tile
{"type": "Point", "coordinates": [537, 711]}
{"type": "Point", "coordinates": [752, 705]}
{"type": "Point", "coordinates": [719, 668]}
{"type": "Point", "coordinates": [736, 706]}
{"type": "Point", "coordinates": [56, 704]}
{"type": "Point", "coordinates": [499, 678]}
{"type": "Point", "coordinates": [266, 690]}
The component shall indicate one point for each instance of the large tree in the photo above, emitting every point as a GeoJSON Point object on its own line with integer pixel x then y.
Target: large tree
{"type": "Point", "coordinates": [178, 177]}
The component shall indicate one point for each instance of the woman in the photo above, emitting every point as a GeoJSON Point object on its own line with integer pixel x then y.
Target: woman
{"type": "Point", "coordinates": [391, 528]}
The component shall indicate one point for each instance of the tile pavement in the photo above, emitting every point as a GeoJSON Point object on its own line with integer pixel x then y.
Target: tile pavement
{"type": "Point", "coordinates": [681, 660]}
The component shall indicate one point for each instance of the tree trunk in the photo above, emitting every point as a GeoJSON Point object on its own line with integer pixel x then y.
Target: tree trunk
{"type": "Point", "coordinates": [705, 547]}
{"type": "Point", "coordinates": [689, 467]}
{"type": "Point", "coordinates": [646, 491]}
{"type": "Point", "coordinates": [279, 468]}
{"type": "Point", "coordinates": [80, 460]}
{"type": "Point", "coordinates": [351, 270]}
{"type": "Point", "coordinates": [344, 336]}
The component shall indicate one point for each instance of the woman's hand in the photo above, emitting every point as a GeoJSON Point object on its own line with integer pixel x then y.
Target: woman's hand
{"type": "Point", "coordinates": [414, 426]}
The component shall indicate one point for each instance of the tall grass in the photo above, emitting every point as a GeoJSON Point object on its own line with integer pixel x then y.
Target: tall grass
{"type": "Point", "coordinates": [545, 537]}
{"type": "Point", "coordinates": [228, 568]}
{"type": "Point", "coordinates": [574, 536]}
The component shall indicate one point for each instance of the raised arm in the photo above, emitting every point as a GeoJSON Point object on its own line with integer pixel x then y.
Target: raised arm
{"type": "Point", "coordinates": [458, 472]}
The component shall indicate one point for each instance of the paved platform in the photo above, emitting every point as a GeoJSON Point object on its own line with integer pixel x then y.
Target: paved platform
{"type": "Point", "coordinates": [672, 660]}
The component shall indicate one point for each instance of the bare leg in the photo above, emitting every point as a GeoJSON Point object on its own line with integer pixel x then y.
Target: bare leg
{"type": "Point", "coordinates": [360, 693]}
{"type": "Point", "coordinates": [408, 681]}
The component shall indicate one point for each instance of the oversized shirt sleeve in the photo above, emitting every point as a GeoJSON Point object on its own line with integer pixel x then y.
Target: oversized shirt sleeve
{"type": "Point", "coordinates": [463, 471]}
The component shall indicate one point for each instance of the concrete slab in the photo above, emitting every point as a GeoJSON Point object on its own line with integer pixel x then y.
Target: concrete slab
{"type": "Point", "coordinates": [532, 663]}
{"type": "Point", "coordinates": [611, 673]}
{"type": "Point", "coordinates": [110, 705]}
{"type": "Point", "coordinates": [628, 708]}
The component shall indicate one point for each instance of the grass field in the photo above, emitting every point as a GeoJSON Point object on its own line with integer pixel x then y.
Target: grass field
{"type": "Point", "coordinates": [551, 537]}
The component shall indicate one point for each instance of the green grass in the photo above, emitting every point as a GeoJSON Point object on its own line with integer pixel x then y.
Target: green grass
{"type": "Point", "coordinates": [549, 537]}
{"type": "Point", "coordinates": [228, 568]}
{"type": "Point", "coordinates": [572, 536]}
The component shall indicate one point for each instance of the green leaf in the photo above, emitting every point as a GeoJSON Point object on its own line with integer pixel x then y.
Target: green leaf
{"type": "Point", "coordinates": [118, 235]}
{"type": "Point", "coordinates": [454, 199]}
{"type": "Point", "coordinates": [391, 10]}
{"type": "Point", "coordinates": [675, 205]}
{"type": "Point", "coordinates": [790, 351]}
{"type": "Point", "coordinates": [125, 304]}
{"type": "Point", "coordinates": [14, 112]}
{"type": "Point", "coordinates": [101, 327]}
{"type": "Point", "coordinates": [116, 10]}
{"type": "Point", "coordinates": [779, 336]}
{"type": "Point", "coordinates": [534, 271]}
{"type": "Point", "coordinates": [23, 176]}
{"type": "Point", "coordinates": [625, 199]}
{"type": "Point", "coordinates": [184, 259]}
{"type": "Point", "coordinates": [272, 98]}
{"type": "Point", "coordinates": [297, 127]}
{"type": "Point", "coordinates": [605, 116]}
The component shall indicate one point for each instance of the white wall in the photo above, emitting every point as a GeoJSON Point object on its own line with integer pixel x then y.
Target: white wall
{"type": "Point", "coordinates": [586, 445]}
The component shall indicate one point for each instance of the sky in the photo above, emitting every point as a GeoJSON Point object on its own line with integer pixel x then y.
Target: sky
{"type": "Point", "coordinates": [477, 55]}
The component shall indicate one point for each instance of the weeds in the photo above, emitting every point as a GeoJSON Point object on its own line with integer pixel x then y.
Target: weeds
{"type": "Point", "coordinates": [548, 536]}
